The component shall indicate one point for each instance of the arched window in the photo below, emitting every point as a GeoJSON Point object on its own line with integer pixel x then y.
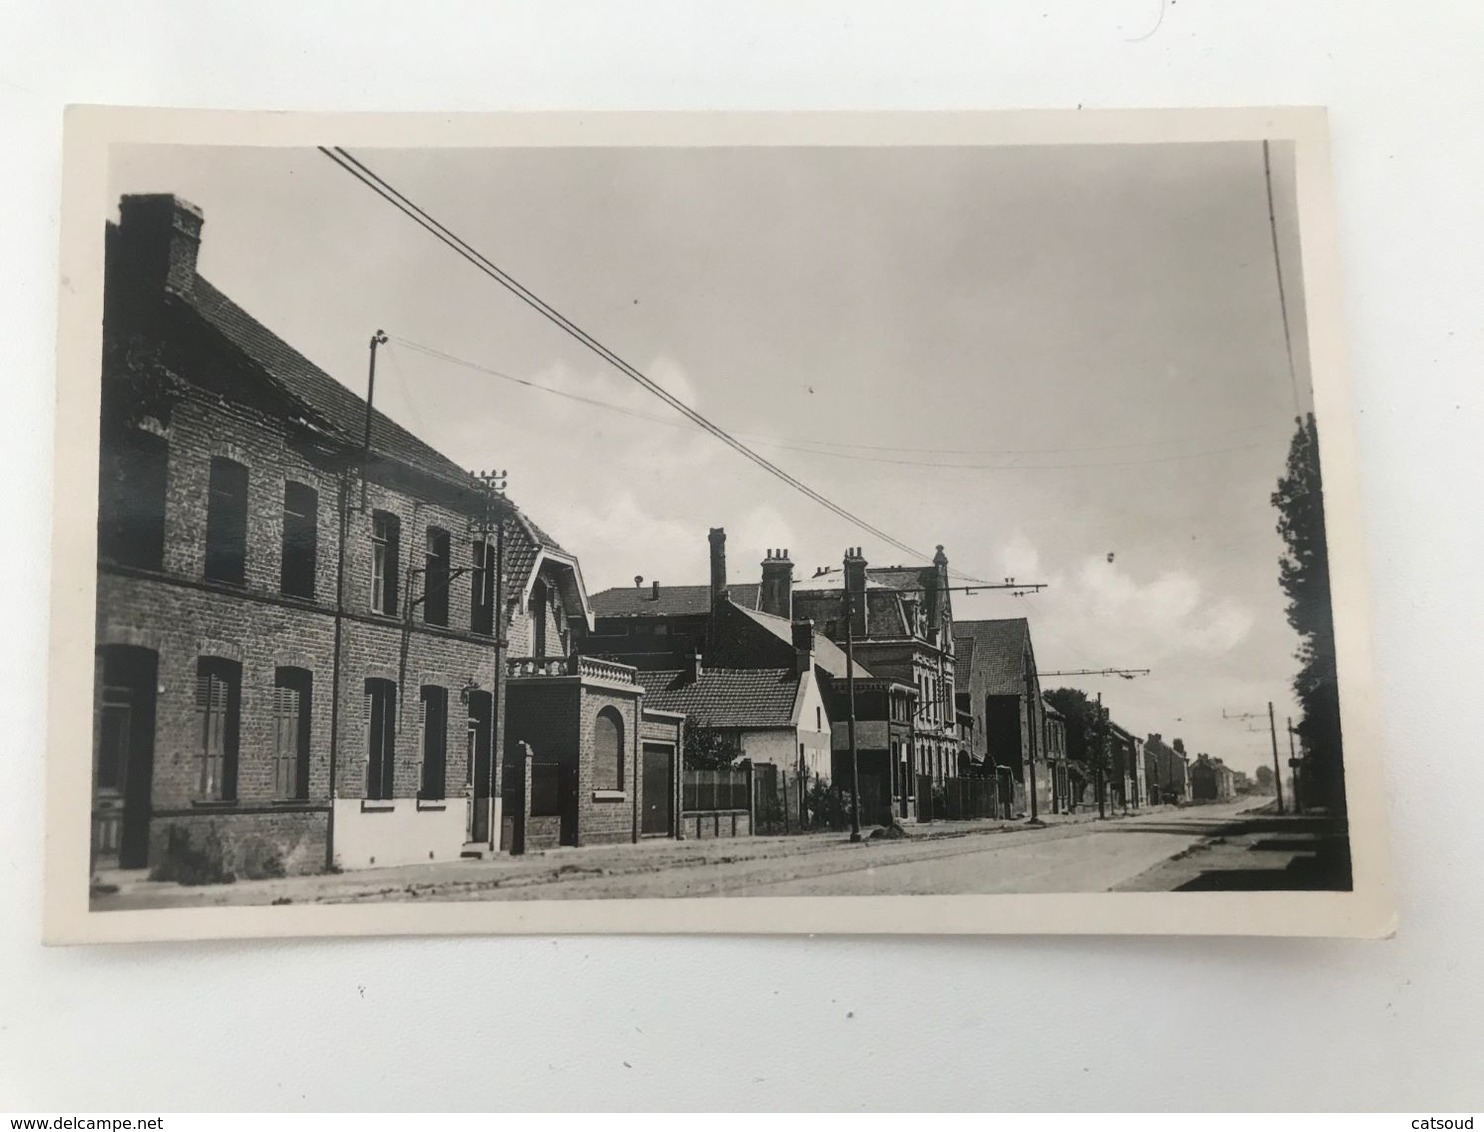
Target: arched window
{"type": "Point", "coordinates": [608, 750]}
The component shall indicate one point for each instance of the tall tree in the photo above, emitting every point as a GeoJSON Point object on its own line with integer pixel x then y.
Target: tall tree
{"type": "Point", "coordinates": [1082, 720]}
{"type": "Point", "coordinates": [1303, 573]}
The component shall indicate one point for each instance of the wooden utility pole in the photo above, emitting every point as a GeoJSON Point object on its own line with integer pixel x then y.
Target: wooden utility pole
{"type": "Point", "coordinates": [1030, 737]}
{"type": "Point", "coordinates": [855, 770]}
{"type": "Point", "coordinates": [1293, 764]}
{"type": "Point", "coordinates": [1102, 759]}
{"type": "Point", "coordinates": [1277, 771]}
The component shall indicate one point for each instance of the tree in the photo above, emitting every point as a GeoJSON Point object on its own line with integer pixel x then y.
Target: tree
{"type": "Point", "coordinates": [1265, 780]}
{"type": "Point", "coordinates": [1081, 714]}
{"type": "Point", "coordinates": [1303, 574]}
{"type": "Point", "coordinates": [707, 747]}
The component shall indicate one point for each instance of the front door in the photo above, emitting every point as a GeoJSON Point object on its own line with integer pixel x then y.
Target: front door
{"type": "Point", "coordinates": [124, 758]}
{"type": "Point", "coordinates": [659, 790]}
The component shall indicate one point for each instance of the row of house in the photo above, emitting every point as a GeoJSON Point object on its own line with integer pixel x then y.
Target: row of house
{"type": "Point", "coordinates": [322, 644]}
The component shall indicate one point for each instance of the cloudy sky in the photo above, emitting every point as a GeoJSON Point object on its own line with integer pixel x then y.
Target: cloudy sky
{"type": "Point", "coordinates": [1038, 357]}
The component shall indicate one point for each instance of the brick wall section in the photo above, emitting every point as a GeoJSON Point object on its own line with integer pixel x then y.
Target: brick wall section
{"type": "Point", "coordinates": [611, 816]}
{"type": "Point", "coordinates": [182, 616]}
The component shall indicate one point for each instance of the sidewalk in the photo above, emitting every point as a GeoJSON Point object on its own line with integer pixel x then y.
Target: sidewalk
{"type": "Point", "coordinates": [460, 879]}
{"type": "Point", "coordinates": [1261, 851]}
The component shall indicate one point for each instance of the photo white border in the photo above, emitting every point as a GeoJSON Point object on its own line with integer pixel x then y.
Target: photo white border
{"type": "Point", "coordinates": [1368, 911]}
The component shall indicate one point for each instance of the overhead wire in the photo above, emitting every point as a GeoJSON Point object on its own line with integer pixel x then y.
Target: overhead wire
{"type": "Point", "coordinates": [1267, 174]}
{"type": "Point", "coordinates": [806, 448]}
{"type": "Point", "coordinates": [356, 168]}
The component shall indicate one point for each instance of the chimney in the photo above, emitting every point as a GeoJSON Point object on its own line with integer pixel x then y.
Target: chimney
{"type": "Point", "coordinates": [160, 235]}
{"type": "Point", "coordinates": [718, 539]}
{"type": "Point", "coordinates": [855, 586]}
{"type": "Point", "coordinates": [777, 595]}
{"type": "Point", "coordinates": [654, 591]}
{"type": "Point", "coordinates": [803, 647]}
{"type": "Point", "coordinates": [694, 668]}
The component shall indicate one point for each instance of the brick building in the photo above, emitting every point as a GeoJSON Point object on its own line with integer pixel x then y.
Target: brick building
{"type": "Point", "coordinates": [900, 622]}
{"type": "Point", "coordinates": [297, 660]}
{"type": "Point", "coordinates": [1168, 774]}
{"type": "Point", "coordinates": [1211, 780]}
{"type": "Point", "coordinates": [998, 665]}
{"type": "Point", "coordinates": [759, 625]}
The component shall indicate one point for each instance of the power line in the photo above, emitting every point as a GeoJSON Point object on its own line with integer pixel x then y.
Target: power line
{"type": "Point", "coordinates": [806, 447]}
{"type": "Point", "coordinates": [371, 180]}
{"type": "Point", "coordinates": [1267, 174]}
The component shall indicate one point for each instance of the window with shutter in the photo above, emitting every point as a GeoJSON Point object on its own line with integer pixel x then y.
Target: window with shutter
{"type": "Point", "coordinates": [381, 738]}
{"type": "Point", "coordinates": [291, 722]}
{"type": "Point", "coordinates": [217, 685]}
{"type": "Point", "coordinates": [432, 713]}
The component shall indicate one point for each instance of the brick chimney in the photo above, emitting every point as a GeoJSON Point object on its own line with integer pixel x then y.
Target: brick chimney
{"type": "Point", "coordinates": [803, 647]}
{"type": "Point", "coordinates": [777, 596]}
{"type": "Point", "coordinates": [160, 234]}
{"type": "Point", "coordinates": [694, 667]}
{"type": "Point", "coordinates": [718, 538]}
{"type": "Point", "coordinates": [654, 590]}
{"type": "Point", "coordinates": [855, 586]}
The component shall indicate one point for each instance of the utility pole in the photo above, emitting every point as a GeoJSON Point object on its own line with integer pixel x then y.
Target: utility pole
{"type": "Point", "coordinates": [1293, 763]}
{"type": "Point", "coordinates": [855, 770]}
{"type": "Point", "coordinates": [1277, 771]}
{"type": "Point", "coordinates": [1030, 734]}
{"type": "Point", "coordinates": [494, 484]}
{"type": "Point", "coordinates": [1125, 673]}
{"type": "Point", "coordinates": [377, 339]}
{"type": "Point", "coordinates": [1102, 758]}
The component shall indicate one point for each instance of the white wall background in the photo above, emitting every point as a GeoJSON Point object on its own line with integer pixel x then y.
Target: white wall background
{"type": "Point", "coordinates": [994, 1023]}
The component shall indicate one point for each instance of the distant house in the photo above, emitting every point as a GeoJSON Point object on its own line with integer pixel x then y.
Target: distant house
{"type": "Point", "coordinates": [998, 667]}
{"type": "Point", "coordinates": [1211, 780]}
{"type": "Point", "coordinates": [761, 626]}
{"type": "Point", "coordinates": [900, 620]}
{"type": "Point", "coordinates": [771, 714]}
{"type": "Point", "coordinates": [1168, 773]}
{"type": "Point", "coordinates": [1056, 758]}
{"type": "Point", "coordinates": [1127, 782]}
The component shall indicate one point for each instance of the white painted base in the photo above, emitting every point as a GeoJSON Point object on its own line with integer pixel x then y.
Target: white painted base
{"type": "Point", "coordinates": [403, 831]}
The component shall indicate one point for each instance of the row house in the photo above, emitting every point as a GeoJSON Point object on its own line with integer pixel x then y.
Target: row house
{"type": "Point", "coordinates": [1211, 780]}
{"type": "Point", "coordinates": [1169, 770]}
{"type": "Point", "coordinates": [1127, 784]}
{"type": "Point", "coordinates": [726, 631]}
{"type": "Point", "coordinates": [998, 662]}
{"type": "Point", "coordinates": [303, 610]}
{"type": "Point", "coordinates": [899, 622]}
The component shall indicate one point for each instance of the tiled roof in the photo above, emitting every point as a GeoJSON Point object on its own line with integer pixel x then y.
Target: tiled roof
{"type": "Point", "coordinates": [345, 411]}
{"type": "Point", "coordinates": [996, 652]}
{"type": "Point", "coordinates": [730, 697]}
{"type": "Point", "coordinates": [900, 577]}
{"type": "Point", "coordinates": [827, 655]}
{"type": "Point", "coordinates": [638, 601]}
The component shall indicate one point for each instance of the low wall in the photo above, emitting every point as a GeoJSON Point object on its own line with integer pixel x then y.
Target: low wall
{"type": "Point", "coordinates": [716, 823]}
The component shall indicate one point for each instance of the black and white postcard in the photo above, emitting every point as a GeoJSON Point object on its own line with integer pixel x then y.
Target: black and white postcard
{"type": "Point", "coordinates": [899, 523]}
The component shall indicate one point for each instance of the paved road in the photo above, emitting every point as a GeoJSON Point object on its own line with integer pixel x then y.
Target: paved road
{"type": "Point", "coordinates": [1078, 854]}
{"type": "Point", "coordinates": [1089, 857]}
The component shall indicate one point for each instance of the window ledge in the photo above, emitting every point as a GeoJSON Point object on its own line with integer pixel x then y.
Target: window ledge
{"type": "Point", "coordinates": [432, 804]}
{"type": "Point", "coordinates": [214, 803]}
{"type": "Point", "coordinates": [610, 796]}
{"type": "Point", "coordinates": [289, 801]}
{"type": "Point", "coordinates": [377, 805]}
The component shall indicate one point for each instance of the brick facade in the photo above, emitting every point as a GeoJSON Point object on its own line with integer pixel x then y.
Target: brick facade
{"type": "Point", "coordinates": [234, 716]}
